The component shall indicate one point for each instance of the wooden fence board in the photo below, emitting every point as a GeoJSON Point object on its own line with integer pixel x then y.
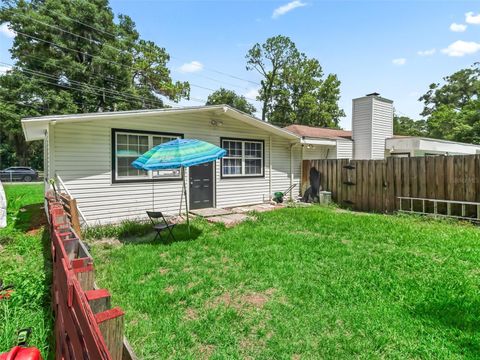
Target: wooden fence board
{"type": "Point", "coordinates": [440, 184]}
{"type": "Point", "coordinates": [450, 176]}
{"type": "Point", "coordinates": [352, 177]}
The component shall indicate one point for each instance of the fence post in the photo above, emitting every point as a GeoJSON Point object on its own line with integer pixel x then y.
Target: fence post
{"type": "Point", "coordinates": [72, 203]}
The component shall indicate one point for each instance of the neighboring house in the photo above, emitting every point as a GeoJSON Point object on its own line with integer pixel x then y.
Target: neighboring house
{"type": "Point", "coordinates": [91, 154]}
{"type": "Point", "coordinates": [406, 146]}
{"type": "Point", "coordinates": [323, 143]}
{"type": "Point", "coordinates": [372, 136]}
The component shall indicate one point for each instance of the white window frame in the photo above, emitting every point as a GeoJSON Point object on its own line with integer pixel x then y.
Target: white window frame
{"type": "Point", "coordinates": [243, 158]}
{"type": "Point", "coordinates": [150, 175]}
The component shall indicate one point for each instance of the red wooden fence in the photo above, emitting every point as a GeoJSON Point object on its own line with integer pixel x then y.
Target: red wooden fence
{"type": "Point", "coordinates": [85, 325]}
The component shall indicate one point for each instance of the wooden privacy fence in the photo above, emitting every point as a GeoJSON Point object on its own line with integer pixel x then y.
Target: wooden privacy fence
{"type": "Point", "coordinates": [86, 327]}
{"type": "Point", "coordinates": [377, 185]}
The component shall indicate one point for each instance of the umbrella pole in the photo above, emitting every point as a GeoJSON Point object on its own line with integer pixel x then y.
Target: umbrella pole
{"type": "Point", "coordinates": [186, 201]}
{"type": "Point", "coordinates": [181, 195]}
{"type": "Point", "coordinates": [153, 194]}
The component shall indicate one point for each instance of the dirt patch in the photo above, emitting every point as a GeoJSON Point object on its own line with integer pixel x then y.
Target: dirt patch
{"type": "Point", "coordinates": [170, 289]}
{"type": "Point", "coordinates": [251, 344]}
{"type": "Point", "coordinates": [296, 357]}
{"type": "Point", "coordinates": [346, 242]}
{"type": "Point", "coordinates": [32, 218]}
{"type": "Point", "coordinates": [191, 314]}
{"type": "Point", "coordinates": [206, 351]}
{"type": "Point", "coordinates": [163, 271]}
{"type": "Point", "coordinates": [253, 299]}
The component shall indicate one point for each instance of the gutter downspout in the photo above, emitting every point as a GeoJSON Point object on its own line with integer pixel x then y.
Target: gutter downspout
{"type": "Point", "coordinates": [291, 169]}
{"type": "Point", "coordinates": [270, 193]}
{"type": "Point", "coordinates": [301, 169]}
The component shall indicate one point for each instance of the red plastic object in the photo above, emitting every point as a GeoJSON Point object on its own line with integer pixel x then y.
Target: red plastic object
{"type": "Point", "coordinates": [5, 294]}
{"type": "Point", "coordinates": [21, 353]}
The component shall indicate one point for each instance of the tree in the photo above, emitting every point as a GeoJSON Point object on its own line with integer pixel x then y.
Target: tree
{"type": "Point", "coordinates": [293, 88]}
{"type": "Point", "coordinates": [453, 109]}
{"type": "Point", "coordinates": [403, 125]}
{"type": "Point", "coordinates": [270, 59]}
{"type": "Point", "coordinates": [229, 97]}
{"type": "Point", "coordinates": [71, 57]}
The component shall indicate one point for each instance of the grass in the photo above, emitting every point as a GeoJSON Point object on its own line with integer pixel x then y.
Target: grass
{"type": "Point", "coordinates": [300, 283]}
{"type": "Point", "coordinates": [24, 262]}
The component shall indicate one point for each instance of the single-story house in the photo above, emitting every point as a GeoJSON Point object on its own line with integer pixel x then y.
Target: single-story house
{"type": "Point", "coordinates": [90, 155]}
{"type": "Point", "coordinates": [323, 143]}
{"type": "Point", "coordinates": [407, 146]}
{"type": "Point", "coordinates": [372, 136]}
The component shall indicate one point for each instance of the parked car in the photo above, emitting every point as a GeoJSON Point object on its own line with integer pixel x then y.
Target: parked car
{"type": "Point", "coordinates": [18, 173]}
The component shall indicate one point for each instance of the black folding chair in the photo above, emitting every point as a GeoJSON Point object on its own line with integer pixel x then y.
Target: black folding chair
{"type": "Point", "coordinates": [160, 223]}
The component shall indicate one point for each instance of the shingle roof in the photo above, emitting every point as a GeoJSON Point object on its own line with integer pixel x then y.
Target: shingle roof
{"type": "Point", "coordinates": [318, 132]}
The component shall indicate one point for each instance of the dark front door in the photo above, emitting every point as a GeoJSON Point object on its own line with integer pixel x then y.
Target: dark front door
{"type": "Point", "coordinates": [201, 186]}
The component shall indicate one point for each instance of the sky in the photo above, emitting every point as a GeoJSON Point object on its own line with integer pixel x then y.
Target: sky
{"type": "Point", "coordinates": [396, 48]}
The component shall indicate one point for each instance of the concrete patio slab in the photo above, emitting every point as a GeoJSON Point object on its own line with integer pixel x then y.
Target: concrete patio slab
{"type": "Point", "coordinates": [208, 212]}
{"type": "Point", "coordinates": [258, 208]}
{"type": "Point", "coordinates": [229, 220]}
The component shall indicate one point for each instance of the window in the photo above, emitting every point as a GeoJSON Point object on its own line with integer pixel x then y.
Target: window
{"type": "Point", "coordinates": [244, 158]}
{"type": "Point", "coordinates": [128, 145]}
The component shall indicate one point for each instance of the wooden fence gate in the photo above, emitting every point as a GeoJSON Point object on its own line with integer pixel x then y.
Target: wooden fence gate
{"type": "Point", "coordinates": [376, 185]}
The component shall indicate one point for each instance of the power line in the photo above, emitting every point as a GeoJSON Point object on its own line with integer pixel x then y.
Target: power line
{"type": "Point", "coordinates": [110, 46]}
{"type": "Point", "coordinates": [98, 90]}
{"type": "Point", "coordinates": [94, 56]}
{"type": "Point", "coordinates": [173, 57]}
{"type": "Point", "coordinates": [81, 23]}
{"type": "Point", "coordinates": [52, 77]}
{"type": "Point", "coordinates": [87, 54]}
{"type": "Point", "coordinates": [126, 52]}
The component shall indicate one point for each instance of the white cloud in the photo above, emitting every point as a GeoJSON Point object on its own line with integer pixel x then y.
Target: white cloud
{"type": "Point", "coordinates": [5, 30]}
{"type": "Point", "coordinates": [399, 61]}
{"type": "Point", "coordinates": [458, 27]}
{"type": "Point", "coordinates": [192, 66]}
{"type": "Point", "coordinates": [461, 48]}
{"type": "Point", "coordinates": [4, 69]}
{"type": "Point", "coordinates": [471, 18]}
{"type": "Point", "coordinates": [282, 10]}
{"type": "Point", "coordinates": [428, 52]}
{"type": "Point", "coordinates": [251, 94]}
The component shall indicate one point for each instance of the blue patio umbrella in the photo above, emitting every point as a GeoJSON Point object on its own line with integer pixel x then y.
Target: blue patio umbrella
{"type": "Point", "coordinates": [179, 153]}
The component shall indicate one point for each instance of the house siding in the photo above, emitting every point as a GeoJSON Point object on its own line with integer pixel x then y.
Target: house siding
{"type": "Point", "coordinates": [319, 152]}
{"type": "Point", "coordinates": [344, 149]}
{"type": "Point", "coordinates": [382, 126]}
{"type": "Point", "coordinates": [362, 127]}
{"type": "Point", "coordinates": [83, 159]}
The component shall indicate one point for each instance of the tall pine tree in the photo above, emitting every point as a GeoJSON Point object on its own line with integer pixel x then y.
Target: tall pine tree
{"type": "Point", "coordinates": [72, 57]}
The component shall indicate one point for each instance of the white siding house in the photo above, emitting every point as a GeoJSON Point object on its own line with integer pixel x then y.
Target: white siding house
{"type": "Point", "coordinates": [91, 154]}
{"type": "Point", "coordinates": [323, 143]}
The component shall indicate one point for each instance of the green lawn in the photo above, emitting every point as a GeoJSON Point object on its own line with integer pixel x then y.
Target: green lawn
{"type": "Point", "coordinates": [25, 263]}
{"type": "Point", "coordinates": [300, 283]}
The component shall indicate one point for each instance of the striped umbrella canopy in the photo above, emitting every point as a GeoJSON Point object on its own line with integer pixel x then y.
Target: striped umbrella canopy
{"type": "Point", "coordinates": [178, 153]}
